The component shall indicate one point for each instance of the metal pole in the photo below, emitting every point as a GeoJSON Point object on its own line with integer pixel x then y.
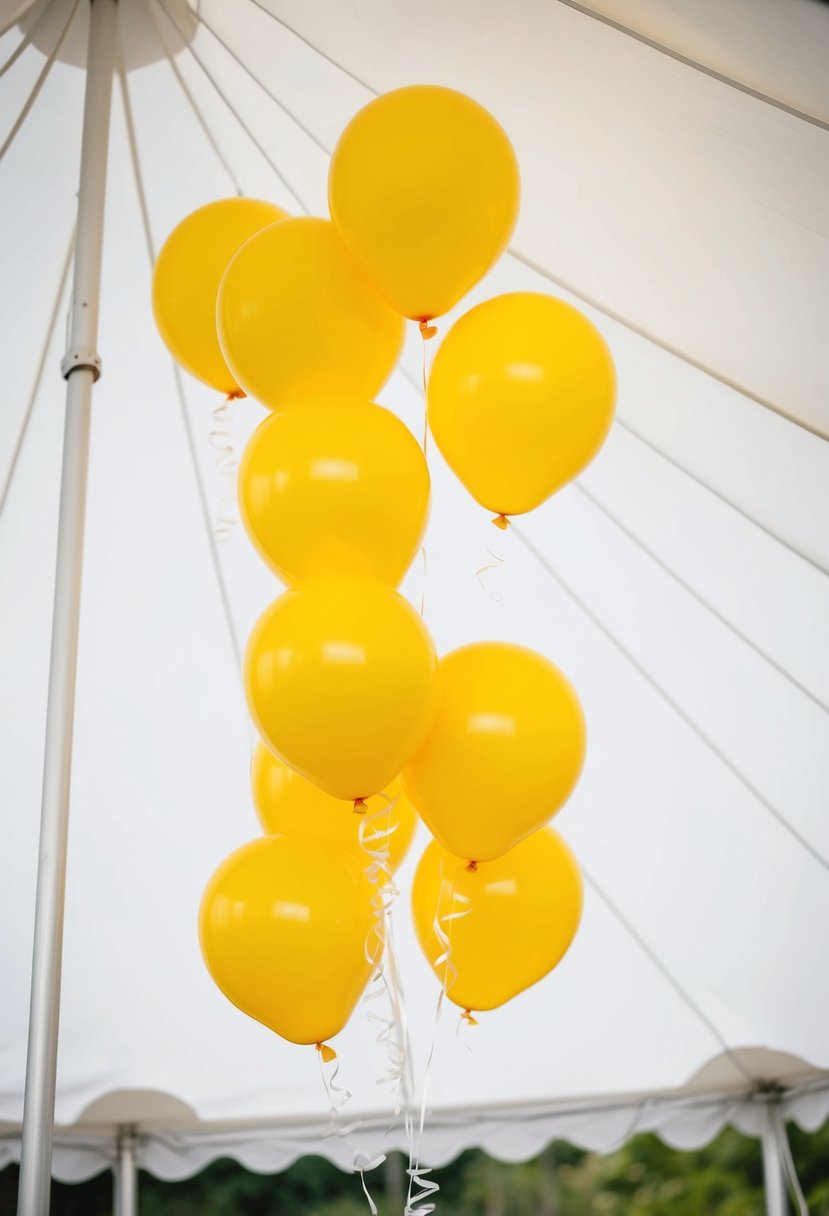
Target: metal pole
{"type": "Point", "coordinates": [81, 368]}
{"type": "Point", "coordinates": [125, 1193]}
{"type": "Point", "coordinates": [774, 1178]}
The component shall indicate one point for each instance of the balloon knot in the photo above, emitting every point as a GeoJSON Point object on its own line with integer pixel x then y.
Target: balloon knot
{"type": "Point", "coordinates": [472, 867]}
{"type": "Point", "coordinates": [501, 522]}
{"type": "Point", "coordinates": [427, 331]}
{"type": "Point", "coordinates": [236, 395]}
{"type": "Point", "coordinates": [467, 1017]}
{"type": "Point", "coordinates": [328, 1053]}
{"type": "Point", "coordinates": [360, 807]}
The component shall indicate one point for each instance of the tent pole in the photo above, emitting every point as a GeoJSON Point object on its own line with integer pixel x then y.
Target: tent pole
{"type": "Point", "coordinates": [774, 1177]}
{"type": "Point", "coordinates": [81, 368]}
{"type": "Point", "coordinates": [125, 1190]}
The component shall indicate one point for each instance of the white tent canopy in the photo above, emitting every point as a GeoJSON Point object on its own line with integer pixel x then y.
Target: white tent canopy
{"type": "Point", "coordinates": [675, 167]}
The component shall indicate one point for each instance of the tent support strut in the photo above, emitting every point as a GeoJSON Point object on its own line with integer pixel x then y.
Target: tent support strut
{"type": "Point", "coordinates": [774, 1176]}
{"type": "Point", "coordinates": [125, 1177]}
{"type": "Point", "coordinates": [81, 368]}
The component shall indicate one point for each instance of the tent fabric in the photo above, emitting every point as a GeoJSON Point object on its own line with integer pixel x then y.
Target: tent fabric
{"type": "Point", "coordinates": [171, 1144]}
{"type": "Point", "coordinates": [681, 583]}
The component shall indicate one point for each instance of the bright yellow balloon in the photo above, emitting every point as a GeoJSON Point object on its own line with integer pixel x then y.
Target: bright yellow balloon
{"type": "Point", "coordinates": [186, 280]}
{"type": "Point", "coordinates": [523, 913]}
{"type": "Point", "coordinates": [334, 485]}
{"type": "Point", "coordinates": [339, 675]}
{"type": "Point", "coordinates": [289, 805]}
{"type": "Point", "coordinates": [521, 398]}
{"type": "Point", "coordinates": [424, 190]}
{"type": "Point", "coordinates": [296, 318]}
{"type": "Point", "coordinates": [283, 925]}
{"type": "Point", "coordinates": [505, 751]}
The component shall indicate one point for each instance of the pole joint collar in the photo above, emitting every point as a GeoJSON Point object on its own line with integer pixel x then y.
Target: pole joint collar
{"type": "Point", "coordinates": [768, 1093]}
{"type": "Point", "coordinates": [81, 356]}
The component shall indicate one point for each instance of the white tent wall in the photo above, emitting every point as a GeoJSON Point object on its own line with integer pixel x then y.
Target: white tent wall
{"type": "Point", "coordinates": [681, 583]}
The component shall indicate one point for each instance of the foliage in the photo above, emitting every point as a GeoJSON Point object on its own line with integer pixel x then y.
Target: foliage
{"type": "Point", "coordinates": [645, 1178]}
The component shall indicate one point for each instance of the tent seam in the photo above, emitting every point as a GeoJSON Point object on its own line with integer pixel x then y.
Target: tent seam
{"type": "Point", "coordinates": [38, 84]}
{"type": "Point", "coordinates": [39, 370]}
{"type": "Point", "coordinates": [512, 251]}
{"type": "Point", "coordinates": [193, 106]}
{"type": "Point", "coordinates": [24, 42]}
{"type": "Point", "coordinates": [696, 64]}
{"type": "Point", "coordinates": [669, 349]}
{"type": "Point", "coordinates": [669, 700]}
{"type": "Point", "coordinates": [224, 594]}
{"type": "Point", "coordinates": [686, 586]}
{"type": "Point", "coordinates": [260, 148]}
{"type": "Point", "coordinates": [265, 89]}
{"type": "Point", "coordinates": [317, 50]}
{"type": "Point", "coordinates": [663, 970]}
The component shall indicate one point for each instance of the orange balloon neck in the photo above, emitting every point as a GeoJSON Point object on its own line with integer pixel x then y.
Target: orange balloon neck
{"type": "Point", "coordinates": [360, 806]}
{"type": "Point", "coordinates": [328, 1053]}
{"type": "Point", "coordinates": [467, 1017]}
{"type": "Point", "coordinates": [427, 331]}
{"type": "Point", "coordinates": [472, 867]}
{"type": "Point", "coordinates": [501, 522]}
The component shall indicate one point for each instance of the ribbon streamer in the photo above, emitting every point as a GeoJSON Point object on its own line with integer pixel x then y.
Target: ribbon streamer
{"type": "Point", "coordinates": [420, 1203]}
{"type": "Point", "coordinates": [221, 442]}
{"type": "Point", "coordinates": [493, 593]}
{"type": "Point", "coordinates": [376, 830]}
{"type": "Point", "coordinates": [363, 1163]}
{"type": "Point", "coordinates": [427, 332]}
{"type": "Point", "coordinates": [374, 834]}
{"type": "Point", "coordinates": [423, 580]}
{"type": "Point", "coordinates": [338, 1096]}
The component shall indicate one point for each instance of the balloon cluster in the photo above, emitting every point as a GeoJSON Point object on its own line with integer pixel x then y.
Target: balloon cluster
{"type": "Point", "coordinates": [354, 711]}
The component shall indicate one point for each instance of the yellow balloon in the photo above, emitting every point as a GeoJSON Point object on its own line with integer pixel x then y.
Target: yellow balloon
{"type": "Point", "coordinates": [289, 805]}
{"type": "Point", "coordinates": [186, 280]}
{"type": "Point", "coordinates": [339, 676]}
{"type": "Point", "coordinates": [296, 318]}
{"type": "Point", "coordinates": [334, 485]}
{"type": "Point", "coordinates": [505, 751]}
{"type": "Point", "coordinates": [284, 923]}
{"type": "Point", "coordinates": [523, 913]}
{"type": "Point", "coordinates": [521, 398]}
{"type": "Point", "coordinates": [424, 190]}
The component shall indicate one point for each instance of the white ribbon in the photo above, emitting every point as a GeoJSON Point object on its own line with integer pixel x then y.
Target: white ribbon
{"type": "Point", "coordinates": [376, 830]}
{"type": "Point", "coordinates": [363, 1163]}
{"type": "Point", "coordinates": [420, 1202]}
{"type": "Point", "coordinates": [221, 442]}
{"type": "Point", "coordinates": [338, 1096]}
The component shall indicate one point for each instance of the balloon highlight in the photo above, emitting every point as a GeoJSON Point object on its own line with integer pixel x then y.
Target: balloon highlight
{"type": "Point", "coordinates": [523, 913]}
{"type": "Point", "coordinates": [521, 399]}
{"type": "Point", "coordinates": [423, 189]}
{"type": "Point", "coordinates": [505, 751]}
{"type": "Point", "coordinates": [339, 675]}
{"type": "Point", "coordinates": [186, 278]}
{"type": "Point", "coordinates": [283, 927]}
{"type": "Point", "coordinates": [296, 318]}
{"type": "Point", "coordinates": [334, 486]}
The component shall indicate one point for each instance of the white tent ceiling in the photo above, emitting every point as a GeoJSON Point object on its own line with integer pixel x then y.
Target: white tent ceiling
{"type": "Point", "coordinates": [682, 583]}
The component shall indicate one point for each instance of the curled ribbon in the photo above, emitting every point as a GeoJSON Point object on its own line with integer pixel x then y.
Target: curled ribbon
{"type": "Point", "coordinates": [375, 832]}
{"type": "Point", "coordinates": [363, 1163]}
{"type": "Point", "coordinates": [494, 594]}
{"type": "Point", "coordinates": [337, 1095]}
{"type": "Point", "coordinates": [221, 442]}
{"type": "Point", "coordinates": [428, 331]}
{"type": "Point", "coordinates": [420, 1202]}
